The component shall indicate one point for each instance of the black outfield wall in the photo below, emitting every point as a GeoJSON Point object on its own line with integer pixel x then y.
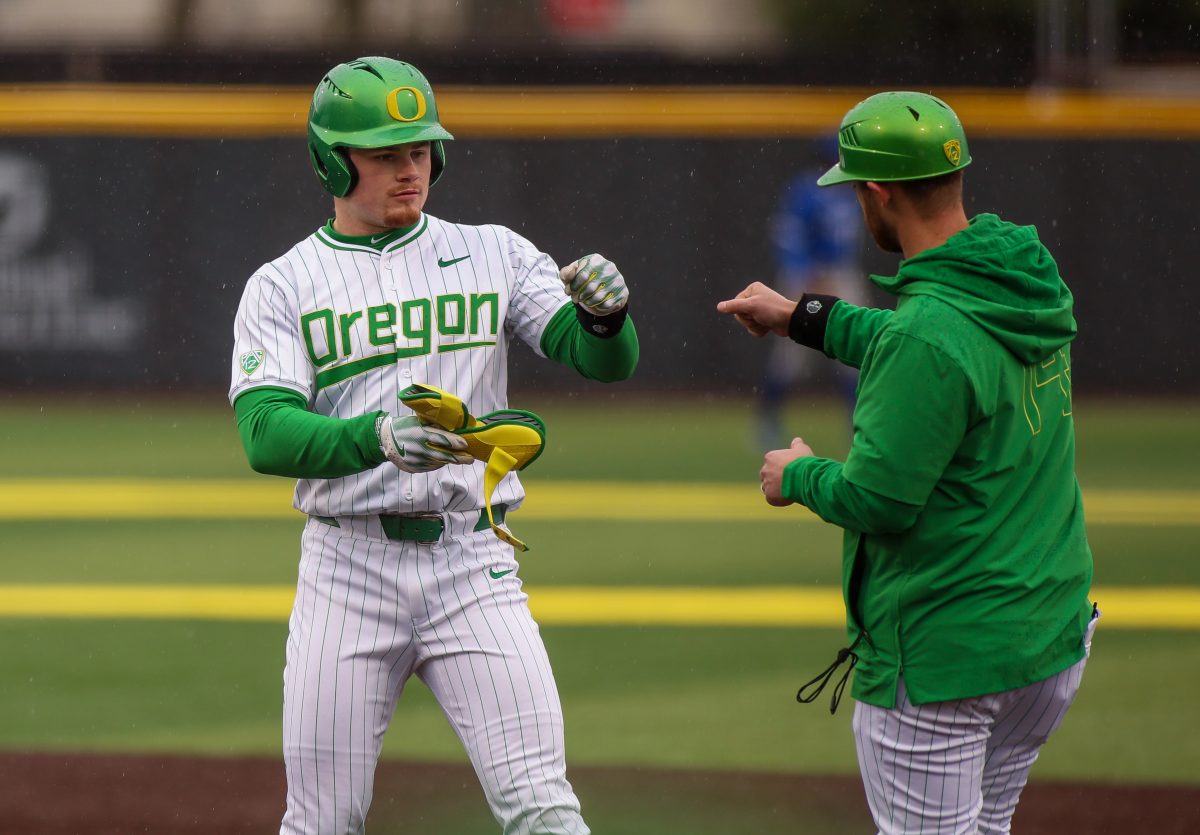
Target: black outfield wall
{"type": "Point", "coordinates": [122, 259]}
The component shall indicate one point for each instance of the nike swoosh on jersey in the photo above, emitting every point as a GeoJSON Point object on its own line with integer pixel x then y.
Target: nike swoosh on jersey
{"type": "Point", "coordinates": [496, 575]}
{"type": "Point", "coordinates": [444, 262]}
{"type": "Point", "coordinates": [377, 238]}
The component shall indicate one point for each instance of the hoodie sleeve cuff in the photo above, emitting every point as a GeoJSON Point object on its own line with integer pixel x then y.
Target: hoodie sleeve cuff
{"type": "Point", "coordinates": [792, 483]}
{"type": "Point", "coordinates": [810, 318]}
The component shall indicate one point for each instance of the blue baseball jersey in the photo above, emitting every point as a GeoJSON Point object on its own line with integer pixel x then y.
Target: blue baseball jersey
{"type": "Point", "coordinates": [816, 228]}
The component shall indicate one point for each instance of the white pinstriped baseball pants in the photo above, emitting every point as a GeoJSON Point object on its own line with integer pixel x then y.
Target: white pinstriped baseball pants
{"type": "Point", "coordinates": [370, 613]}
{"type": "Point", "coordinates": [958, 767]}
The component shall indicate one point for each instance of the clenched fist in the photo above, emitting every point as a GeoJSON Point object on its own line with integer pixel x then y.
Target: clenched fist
{"type": "Point", "coordinates": [595, 284]}
{"type": "Point", "coordinates": [770, 477]}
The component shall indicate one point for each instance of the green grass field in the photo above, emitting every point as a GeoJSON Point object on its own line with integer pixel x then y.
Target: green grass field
{"type": "Point", "coordinates": [693, 697]}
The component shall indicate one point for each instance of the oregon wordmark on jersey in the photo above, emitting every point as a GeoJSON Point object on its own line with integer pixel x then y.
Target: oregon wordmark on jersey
{"type": "Point", "coordinates": [347, 324]}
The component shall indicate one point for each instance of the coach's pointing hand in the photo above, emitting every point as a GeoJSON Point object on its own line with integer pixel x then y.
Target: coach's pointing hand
{"type": "Point", "coordinates": [416, 447]}
{"type": "Point", "coordinates": [595, 284]}
{"type": "Point", "coordinates": [771, 474]}
{"type": "Point", "coordinates": [760, 310]}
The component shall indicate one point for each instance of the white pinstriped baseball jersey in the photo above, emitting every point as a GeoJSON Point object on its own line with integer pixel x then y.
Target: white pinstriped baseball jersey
{"type": "Point", "coordinates": [348, 326]}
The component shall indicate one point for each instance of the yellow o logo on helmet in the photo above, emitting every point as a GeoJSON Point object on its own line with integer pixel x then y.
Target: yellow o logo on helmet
{"type": "Point", "coordinates": [393, 104]}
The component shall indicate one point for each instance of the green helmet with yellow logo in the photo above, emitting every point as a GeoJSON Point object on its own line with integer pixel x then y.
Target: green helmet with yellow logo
{"type": "Point", "coordinates": [370, 103]}
{"type": "Point", "coordinates": [898, 136]}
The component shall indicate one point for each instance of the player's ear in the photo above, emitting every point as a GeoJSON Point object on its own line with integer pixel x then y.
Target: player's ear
{"type": "Point", "coordinates": [881, 193]}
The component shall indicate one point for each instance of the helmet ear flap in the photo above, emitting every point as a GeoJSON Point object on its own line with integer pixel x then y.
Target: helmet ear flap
{"type": "Point", "coordinates": [333, 169]}
{"type": "Point", "coordinates": [347, 176]}
{"type": "Point", "coordinates": [438, 160]}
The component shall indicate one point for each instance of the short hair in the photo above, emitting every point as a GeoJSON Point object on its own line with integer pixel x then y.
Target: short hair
{"type": "Point", "coordinates": [933, 194]}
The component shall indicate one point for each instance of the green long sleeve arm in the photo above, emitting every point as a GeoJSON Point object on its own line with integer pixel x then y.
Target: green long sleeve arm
{"type": "Point", "coordinates": [835, 327]}
{"type": "Point", "coordinates": [850, 331]}
{"type": "Point", "coordinates": [818, 483]}
{"type": "Point", "coordinates": [281, 437]}
{"type": "Point", "coordinates": [609, 359]}
{"type": "Point", "coordinates": [898, 454]}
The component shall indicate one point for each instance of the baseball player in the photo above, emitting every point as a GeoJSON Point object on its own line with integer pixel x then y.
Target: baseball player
{"type": "Point", "coordinates": [399, 572]}
{"type": "Point", "coordinates": [816, 238]}
{"type": "Point", "coordinates": [966, 570]}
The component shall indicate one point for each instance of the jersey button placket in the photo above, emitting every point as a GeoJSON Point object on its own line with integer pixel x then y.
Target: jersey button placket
{"type": "Point", "coordinates": [387, 273]}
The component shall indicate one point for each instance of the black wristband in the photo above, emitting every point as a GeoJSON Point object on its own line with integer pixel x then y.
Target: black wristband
{"type": "Point", "coordinates": [808, 322]}
{"type": "Point", "coordinates": [604, 327]}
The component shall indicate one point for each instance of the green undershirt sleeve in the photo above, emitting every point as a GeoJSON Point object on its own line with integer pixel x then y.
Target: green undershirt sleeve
{"type": "Point", "coordinates": [282, 437]}
{"type": "Point", "coordinates": [607, 359]}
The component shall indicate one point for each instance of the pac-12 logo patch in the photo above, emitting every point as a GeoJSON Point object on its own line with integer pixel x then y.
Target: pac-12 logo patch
{"type": "Point", "coordinates": [251, 361]}
{"type": "Point", "coordinates": [953, 151]}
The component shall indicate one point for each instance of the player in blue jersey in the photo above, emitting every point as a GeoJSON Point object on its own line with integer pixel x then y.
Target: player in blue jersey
{"type": "Point", "coordinates": [817, 242]}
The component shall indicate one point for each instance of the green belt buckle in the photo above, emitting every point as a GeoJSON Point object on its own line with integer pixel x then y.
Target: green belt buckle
{"type": "Point", "coordinates": [425, 529]}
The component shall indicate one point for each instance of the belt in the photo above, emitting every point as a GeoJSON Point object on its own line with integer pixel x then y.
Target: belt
{"type": "Point", "coordinates": [422, 528]}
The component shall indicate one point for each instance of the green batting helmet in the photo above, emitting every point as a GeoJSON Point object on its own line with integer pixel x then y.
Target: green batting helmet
{"type": "Point", "coordinates": [370, 103]}
{"type": "Point", "coordinates": [898, 136]}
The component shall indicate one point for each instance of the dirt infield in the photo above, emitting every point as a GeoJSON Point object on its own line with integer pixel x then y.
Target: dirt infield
{"type": "Point", "coordinates": [57, 794]}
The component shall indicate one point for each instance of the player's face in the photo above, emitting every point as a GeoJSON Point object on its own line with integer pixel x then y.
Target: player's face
{"type": "Point", "coordinates": [883, 231]}
{"type": "Point", "coordinates": [392, 186]}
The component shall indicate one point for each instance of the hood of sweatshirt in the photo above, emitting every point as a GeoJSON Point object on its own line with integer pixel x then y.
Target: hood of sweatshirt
{"type": "Point", "coordinates": [1000, 276]}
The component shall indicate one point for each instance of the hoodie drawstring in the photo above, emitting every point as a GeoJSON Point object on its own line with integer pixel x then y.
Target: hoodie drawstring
{"type": "Point", "coordinates": [823, 678]}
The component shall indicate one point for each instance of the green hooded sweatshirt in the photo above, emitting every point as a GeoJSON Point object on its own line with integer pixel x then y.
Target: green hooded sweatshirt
{"type": "Point", "coordinates": [966, 569]}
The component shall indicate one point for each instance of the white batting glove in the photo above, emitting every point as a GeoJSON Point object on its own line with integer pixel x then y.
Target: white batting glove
{"type": "Point", "coordinates": [416, 447]}
{"type": "Point", "coordinates": [594, 283]}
